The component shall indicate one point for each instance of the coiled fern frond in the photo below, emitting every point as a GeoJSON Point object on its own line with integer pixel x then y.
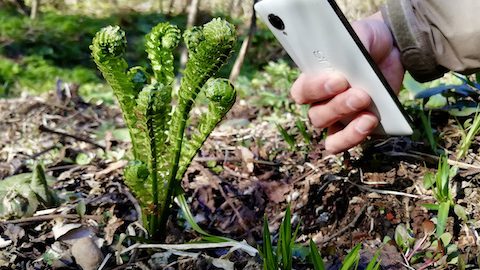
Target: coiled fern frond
{"type": "Point", "coordinates": [161, 154]}
{"type": "Point", "coordinates": [160, 44]}
{"type": "Point", "coordinates": [222, 95]}
{"type": "Point", "coordinates": [209, 48]}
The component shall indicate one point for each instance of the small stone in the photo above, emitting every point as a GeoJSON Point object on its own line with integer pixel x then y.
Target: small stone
{"type": "Point", "coordinates": [87, 254]}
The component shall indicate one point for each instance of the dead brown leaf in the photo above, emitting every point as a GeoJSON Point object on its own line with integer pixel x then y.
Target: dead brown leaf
{"type": "Point", "coordinates": [113, 224]}
{"type": "Point", "coordinates": [275, 191]}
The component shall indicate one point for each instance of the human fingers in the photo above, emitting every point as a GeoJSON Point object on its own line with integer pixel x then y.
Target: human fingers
{"type": "Point", "coordinates": [379, 42]}
{"type": "Point", "coordinates": [354, 133]}
{"type": "Point", "coordinates": [339, 107]}
{"type": "Point", "coordinates": [308, 89]}
{"type": "Point", "coordinates": [375, 36]}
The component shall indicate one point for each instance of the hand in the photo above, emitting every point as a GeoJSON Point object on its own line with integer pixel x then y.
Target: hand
{"type": "Point", "coordinates": [333, 100]}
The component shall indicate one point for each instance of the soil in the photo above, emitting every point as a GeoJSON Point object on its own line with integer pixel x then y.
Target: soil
{"type": "Point", "coordinates": [245, 171]}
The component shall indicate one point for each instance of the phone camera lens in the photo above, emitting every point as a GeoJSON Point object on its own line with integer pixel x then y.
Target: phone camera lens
{"type": "Point", "coordinates": [276, 22]}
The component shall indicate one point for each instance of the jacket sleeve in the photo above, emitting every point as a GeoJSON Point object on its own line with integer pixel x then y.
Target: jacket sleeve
{"type": "Point", "coordinates": [435, 36]}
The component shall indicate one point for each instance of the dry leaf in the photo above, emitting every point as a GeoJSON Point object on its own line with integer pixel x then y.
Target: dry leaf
{"type": "Point", "coordinates": [113, 224]}
{"type": "Point", "coordinates": [247, 157]}
{"type": "Point", "coordinates": [275, 191]}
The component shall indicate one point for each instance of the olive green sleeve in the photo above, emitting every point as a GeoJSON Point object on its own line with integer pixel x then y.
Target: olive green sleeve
{"type": "Point", "coordinates": [435, 36]}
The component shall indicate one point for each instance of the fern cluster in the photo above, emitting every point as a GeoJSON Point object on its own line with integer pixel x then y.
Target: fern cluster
{"type": "Point", "coordinates": [157, 130]}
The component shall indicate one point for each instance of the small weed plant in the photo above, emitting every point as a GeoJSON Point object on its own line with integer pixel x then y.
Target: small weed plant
{"type": "Point", "coordinates": [430, 250]}
{"type": "Point", "coordinates": [281, 256]}
{"type": "Point", "coordinates": [440, 184]}
{"type": "Point", "coordinates": [469, 130]}
{"type": "Point", "coordinates": [161, 148]}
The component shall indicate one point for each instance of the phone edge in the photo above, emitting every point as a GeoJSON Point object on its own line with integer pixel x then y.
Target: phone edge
{"type": "Point", "coordinates": [370, 60]}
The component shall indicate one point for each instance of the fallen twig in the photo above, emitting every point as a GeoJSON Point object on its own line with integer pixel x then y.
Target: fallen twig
{"type": "Point", "coordinates": [227, 199]}
{"type": "Point", "coordinates": [50, 217]}
{"type": "Point", "coordinates": [385, 192]}
{"type": "Point", "coordinates": [104, 262]}
{"type": "Point", "coordinates": [234, 245]}
{"type": "Point", "coordinates": [132, 199]}
{"type": "Point", "coordinates": [344, 229]}
{"type": "Point", "coordinates": [43, 128]}
{"type": "Point", "coordinates": [420, 155]}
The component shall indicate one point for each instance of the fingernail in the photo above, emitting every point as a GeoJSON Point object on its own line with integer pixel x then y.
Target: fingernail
{"type": "Point", "coordinates": [366, 125]}
{"type": "Point", "coordinates": [355, 103]}
{"type": "Point", "coordinates": [335, 85]}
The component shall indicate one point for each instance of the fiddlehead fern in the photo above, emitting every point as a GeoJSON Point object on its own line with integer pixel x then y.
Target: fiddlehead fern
{"type": "Point", "coordinates": [157, 138]}
{"type": "Point", "coordinates": [221, 95]}
{"type": "Point", "coordinates": [108, 48]}
{"type": "Point", "coordinates": [160, 43]}
{"type": "Point", "coordinates": [215, 46]}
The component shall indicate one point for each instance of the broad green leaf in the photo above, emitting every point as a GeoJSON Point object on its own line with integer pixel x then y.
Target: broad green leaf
{"type": "Point", "coordinates": [428, 180]}
{"type": "Point", "coordinates": [351, 260]}
{"type": "Point", "coordinates": [403, 238]}
{"type": "Point", "coordinates": [446, 238]}
{"type": "Point", "coordinates": [443, 210]}
{"type": "Point", "coordinates": [121, 134]}
{"type": "Point", "coordinates": [83, 159]}
{"type": "Point", "coordinates": [452, 249]}
{"type": "Point", "coordinates": [437, 101]}
{"type": "Point", "coordinates": [412, 85]}
{"type": "Point", "coordinates": [460, 212]}
{"type": "Point", "coordinates": [463, 112]}
{"type": "Point", "coordinates": [316, 257]}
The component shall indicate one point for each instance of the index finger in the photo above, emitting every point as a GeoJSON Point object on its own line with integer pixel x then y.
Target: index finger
{"type": "Point", "coordinates": [309, 89]}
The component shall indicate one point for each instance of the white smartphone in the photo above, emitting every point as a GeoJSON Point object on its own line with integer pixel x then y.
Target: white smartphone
{"type": "Point", "coordinates": [317, 36]}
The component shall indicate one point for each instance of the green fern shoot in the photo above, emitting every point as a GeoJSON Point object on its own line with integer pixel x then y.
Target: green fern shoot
{"type": "Point", "coordinates": [162, 152]}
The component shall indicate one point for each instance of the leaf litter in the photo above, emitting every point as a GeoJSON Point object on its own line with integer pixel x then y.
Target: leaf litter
{"type": "Point", "coordinates": [242, 173]}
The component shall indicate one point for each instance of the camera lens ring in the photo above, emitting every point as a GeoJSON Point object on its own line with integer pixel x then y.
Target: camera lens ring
{"type": "Point", "coordinates": [276, 22]}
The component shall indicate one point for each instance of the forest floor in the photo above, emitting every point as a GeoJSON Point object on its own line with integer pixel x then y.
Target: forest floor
{"type": "Point", "coordinates": [244, 171]}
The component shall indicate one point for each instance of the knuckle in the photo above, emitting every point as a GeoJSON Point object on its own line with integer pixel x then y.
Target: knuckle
{"type": "Point", "coordinates": [314, 118]}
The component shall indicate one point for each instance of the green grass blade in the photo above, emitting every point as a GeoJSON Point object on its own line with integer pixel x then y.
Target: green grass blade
{"type": "Point", "coordinates": [442, 217]}
{"type": "Point", "coordinates": [460, 212]}
{"type": "Point", "coordinates": [182, 202]}
{"type": "Point", "coordinates": [352, 258]}
{"type": "Point", "coordinates": [428, 180]}
{"type": "Point", "coordinates": [445, 178]}
{"type": "Point", "coordinates": [285, 242]}
{"type": "Point", "coordinates": [468, 139]}
{"type": "Point", "coordinates": [289, 139]}
{"type": "Point", "coordinates": [374, 263]}
{"type": "Point", "coordinates": [303, 130]}
{"type": "Point", "coordinates": [427, 126]}
{"type": "Point", "coordinates": [269, 258]}
{"type": "Point", "coordinates": [316, 257]}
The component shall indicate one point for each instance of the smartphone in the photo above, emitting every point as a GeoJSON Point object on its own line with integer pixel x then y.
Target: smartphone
{"type": "Point", "coordinates": [317, 36]}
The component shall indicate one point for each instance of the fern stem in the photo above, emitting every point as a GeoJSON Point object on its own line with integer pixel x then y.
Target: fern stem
{"type": "Point", "coordinates": [204, 61]}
